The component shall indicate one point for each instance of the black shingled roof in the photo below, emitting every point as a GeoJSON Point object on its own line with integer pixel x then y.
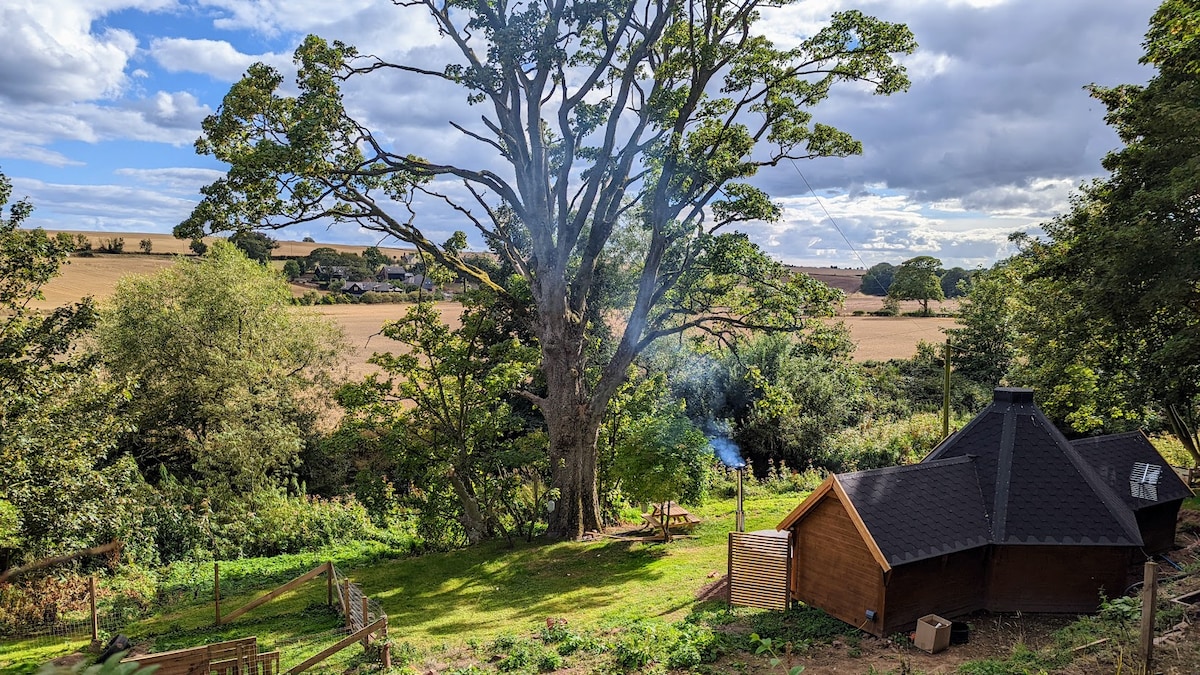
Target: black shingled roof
{"type": "Point", "coordinates": [920, 511]}
{"type": "Point", "coordinates": [1113, 457]}
{"type": "Point", "coordinates": [1036, 487]}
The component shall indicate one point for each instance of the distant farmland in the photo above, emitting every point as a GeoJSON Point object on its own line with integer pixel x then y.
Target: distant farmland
{"type": "Point", "coordinates": [877, 337]}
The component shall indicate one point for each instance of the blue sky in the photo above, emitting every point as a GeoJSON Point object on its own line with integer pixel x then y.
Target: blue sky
{"type": "Point", "coordinates": [101, 101]}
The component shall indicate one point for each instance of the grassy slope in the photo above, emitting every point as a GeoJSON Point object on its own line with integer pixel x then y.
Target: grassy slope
{"type": "Point", "coordinates": [447, 599]}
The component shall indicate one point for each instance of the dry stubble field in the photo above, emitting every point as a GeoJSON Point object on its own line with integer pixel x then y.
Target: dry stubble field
{"type": "Point", "coordinates": [877, 337]}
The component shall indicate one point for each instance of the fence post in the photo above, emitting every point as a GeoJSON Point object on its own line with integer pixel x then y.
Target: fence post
{"type": "Point", "coordinates": [346, 609]}
{"type": "Point", "coordinates": [217, 589]}
{"type": "Point", "coordinates": [92, 603]}
{"type": "Point", "coordinates": [329, 582]}
{"type": "Point", "coordinates": [387, 648]}
{"type": "Point", "coordinates": [366, 639]}
{"type": "Point", "coordinates": [1149, 599]}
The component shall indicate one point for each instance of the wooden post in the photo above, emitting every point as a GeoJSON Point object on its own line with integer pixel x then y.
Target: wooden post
{"type": "Point", "coordinates": [946, 393]}
{"type": "Point", "coordinates": [217, 589]}
{"type": "Point", "coordinates": [329, 583]}
{"type": "Point", "coordinates": [1149, 598]}
{"type": "Point", "coordinates": [366, 639]}
{"type": "Point", "coordinates": [92, 603]}
{"type": "Point", "coordinates": [346, 609]}
{"type": "Point", "coordinates": [729, 575]}
{"type": "Point", "coordinates": [387, 647]}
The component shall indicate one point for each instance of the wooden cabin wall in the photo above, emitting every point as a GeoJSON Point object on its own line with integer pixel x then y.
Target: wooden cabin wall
{"type": "Point", "coordinates": [1055, 578]}
{"type": "Point", "coordinates": [1157, 525]}
{"type": "Point", "coordinates": [833, 567]}
{"type": "Point", "coordinates": [950, 586]}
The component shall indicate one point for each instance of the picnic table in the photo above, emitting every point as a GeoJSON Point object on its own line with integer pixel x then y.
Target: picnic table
{"type": "Point", "coordinates": [664, 516]}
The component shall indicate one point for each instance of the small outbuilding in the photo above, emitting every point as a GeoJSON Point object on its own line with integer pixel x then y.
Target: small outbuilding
{"type": "Point", "coordinates": [1005, 515]}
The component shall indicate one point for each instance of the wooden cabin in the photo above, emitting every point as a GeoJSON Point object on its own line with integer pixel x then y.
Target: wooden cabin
{"type": "Point", "coordinates": [1005, 515]}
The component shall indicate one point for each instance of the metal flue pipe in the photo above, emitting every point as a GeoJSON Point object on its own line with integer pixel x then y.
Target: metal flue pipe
{"type": "Point", "coordinates": [741, 515]}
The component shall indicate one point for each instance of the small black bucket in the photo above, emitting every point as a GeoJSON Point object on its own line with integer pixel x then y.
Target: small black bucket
{"type": "Point", "coordinates": [960, 633]}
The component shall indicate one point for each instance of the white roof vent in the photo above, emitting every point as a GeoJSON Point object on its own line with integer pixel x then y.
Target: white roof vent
{"type": "Point", "coordinates": [1143, 481]}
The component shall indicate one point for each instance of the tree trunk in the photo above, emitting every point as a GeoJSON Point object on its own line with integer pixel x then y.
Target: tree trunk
{"type": "Point", "coordinates": [1183, 432]}
{"type": "Point", "coordinates": [573, 459]}
{"type": "Point", "coordinates": [472, 517]}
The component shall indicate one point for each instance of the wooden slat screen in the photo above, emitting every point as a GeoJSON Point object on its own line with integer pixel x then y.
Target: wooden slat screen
{"type": "Point", "coordinates": [759, 569]}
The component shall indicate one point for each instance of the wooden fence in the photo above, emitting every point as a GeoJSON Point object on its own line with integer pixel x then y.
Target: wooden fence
{"type": "Point", "coordinates": [364, 617]}
{"type": "Point", "coordinates": [235, 657]}
{"type": "Point", "coordinates": [760, 565]}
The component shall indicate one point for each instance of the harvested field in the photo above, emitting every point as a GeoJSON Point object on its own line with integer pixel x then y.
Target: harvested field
{"type": "Point", "coordinates": [846, 280]}
{"type": "Point", "coordinates": [878, 338]}
{"type": "Point", "coordinates": [167, 244]}
{"type": "Point", "coordinates": [96, 276]}
{"type": "Point", "coordinates": [362, 324]}
{"type": "Point", "coordinates": [893, 337]}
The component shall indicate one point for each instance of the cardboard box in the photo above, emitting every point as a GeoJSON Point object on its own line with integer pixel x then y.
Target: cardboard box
{"type": "Point", "coordinates": [933, 633]}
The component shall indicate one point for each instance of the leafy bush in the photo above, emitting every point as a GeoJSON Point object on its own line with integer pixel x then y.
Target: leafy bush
{"type": "Point", "coordinates": [682, 645]}
{"type": "Point", "coordinates": [1172, 450]}
{"type": "Point", "coordinates": [270, 522]}
{"type": "Point", "coordinates": [522, 655]}
{"type": "Point", "coordinates": [36, 601]}
{"type": "Point", "coordinates": [872, 445]}
{"type": "Point", "coordinates": [800, 626]}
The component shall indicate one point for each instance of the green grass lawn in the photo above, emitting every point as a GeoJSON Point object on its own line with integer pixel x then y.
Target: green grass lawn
{"type": "Point", "coordinates": [441, 600]}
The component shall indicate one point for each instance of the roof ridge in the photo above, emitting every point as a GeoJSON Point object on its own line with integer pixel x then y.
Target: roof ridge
{"type": "Point", "coordinates": [900, 468]}
{"type": "Point", "coordinates": [1102, 437]}
{"type": "Point", "coordinates": [948, 441]}
{"type": "Point", "coordinates": [1113, 502]}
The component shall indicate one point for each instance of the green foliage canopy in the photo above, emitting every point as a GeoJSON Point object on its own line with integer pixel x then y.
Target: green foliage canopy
{"type": "Point", "coordinates": [917, 279]}
{"type": "Point", "coordinates": [224, 368]}
{"type": "Point", "coordinates": [601, 111]}
{"type": "Point", "coordinates": [878, 279]}
{"type": "Point", "coordinates": [59, 483]}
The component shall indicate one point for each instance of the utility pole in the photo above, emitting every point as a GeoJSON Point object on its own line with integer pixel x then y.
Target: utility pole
{"type": "Point", "coordinates": [946, 391]}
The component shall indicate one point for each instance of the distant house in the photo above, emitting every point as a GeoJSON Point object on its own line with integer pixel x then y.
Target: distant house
{"type": "Point", "coordinates": [1005, 515]}
{"type": "Point", "coordinates": [360, 287]}
{"type": "Point", "coordinates": [331, 272]}
{"type": "Point", "coordinates": [392, 273]}
{"type": "Point", "coordinates": [420, 281]}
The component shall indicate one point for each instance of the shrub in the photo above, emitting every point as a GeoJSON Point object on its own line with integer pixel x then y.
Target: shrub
{"type": "Point", "coordinates": [800, 626]}
{"type": "Point", "coordinates": [873, 445]}
{"type": "Point", "coordinates": [683, 645]}
{"type": "Point", "coordinates": [270, 522]}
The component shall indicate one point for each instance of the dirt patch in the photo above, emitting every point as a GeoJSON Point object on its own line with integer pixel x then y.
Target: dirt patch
{"type": "Point", "coordinates": [718, 589]}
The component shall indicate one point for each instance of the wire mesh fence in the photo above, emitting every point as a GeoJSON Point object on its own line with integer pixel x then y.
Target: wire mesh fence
{"type": "Point", "coordinates": [355, 608]}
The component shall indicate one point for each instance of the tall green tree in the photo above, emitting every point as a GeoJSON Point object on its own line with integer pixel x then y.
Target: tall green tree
{"type": "Point", "coordinates": [445, 408]}
{"type": "Point", "coordinates": [224, 366]}
{"type": "Point", "coordinates": [59, 477]}
{"type": "Point", "coordinates": [986, 342]}
{"type": "Point", "coordinates": [255, 245]}
{"type": "Point", "coordinates": [917, 279]}
{"type": "Point", "coordinates": [601, 111]}
{"type": "Point", "coordinates": [878, 279]}
{"type": "Point", "coordinates": [1127, 252]}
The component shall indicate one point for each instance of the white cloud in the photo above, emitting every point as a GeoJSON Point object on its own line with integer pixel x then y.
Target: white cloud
{"type": "Point", "coordinates": [179, 179]}
{"type": "Point", "coordinates": [113, 208]}
{"type": "Point", "coordinates": [215, 58]}
{"type": "Point", "coordinates": [50, 51]}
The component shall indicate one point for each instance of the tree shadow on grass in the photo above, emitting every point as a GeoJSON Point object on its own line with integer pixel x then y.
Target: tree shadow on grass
{"type": "Point", "coordinates": [487, 588]}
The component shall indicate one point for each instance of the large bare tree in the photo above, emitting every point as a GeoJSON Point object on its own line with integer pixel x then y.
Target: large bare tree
{"type": "Point", "coordinates": [612, 119]}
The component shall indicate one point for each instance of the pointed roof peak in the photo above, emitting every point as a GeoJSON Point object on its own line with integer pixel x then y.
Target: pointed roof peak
{"type": "Point", "coordinates": [1036, 486]}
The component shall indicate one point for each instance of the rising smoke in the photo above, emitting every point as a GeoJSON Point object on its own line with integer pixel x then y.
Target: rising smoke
{"type": "Point", "coordinates": [722, 446]}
